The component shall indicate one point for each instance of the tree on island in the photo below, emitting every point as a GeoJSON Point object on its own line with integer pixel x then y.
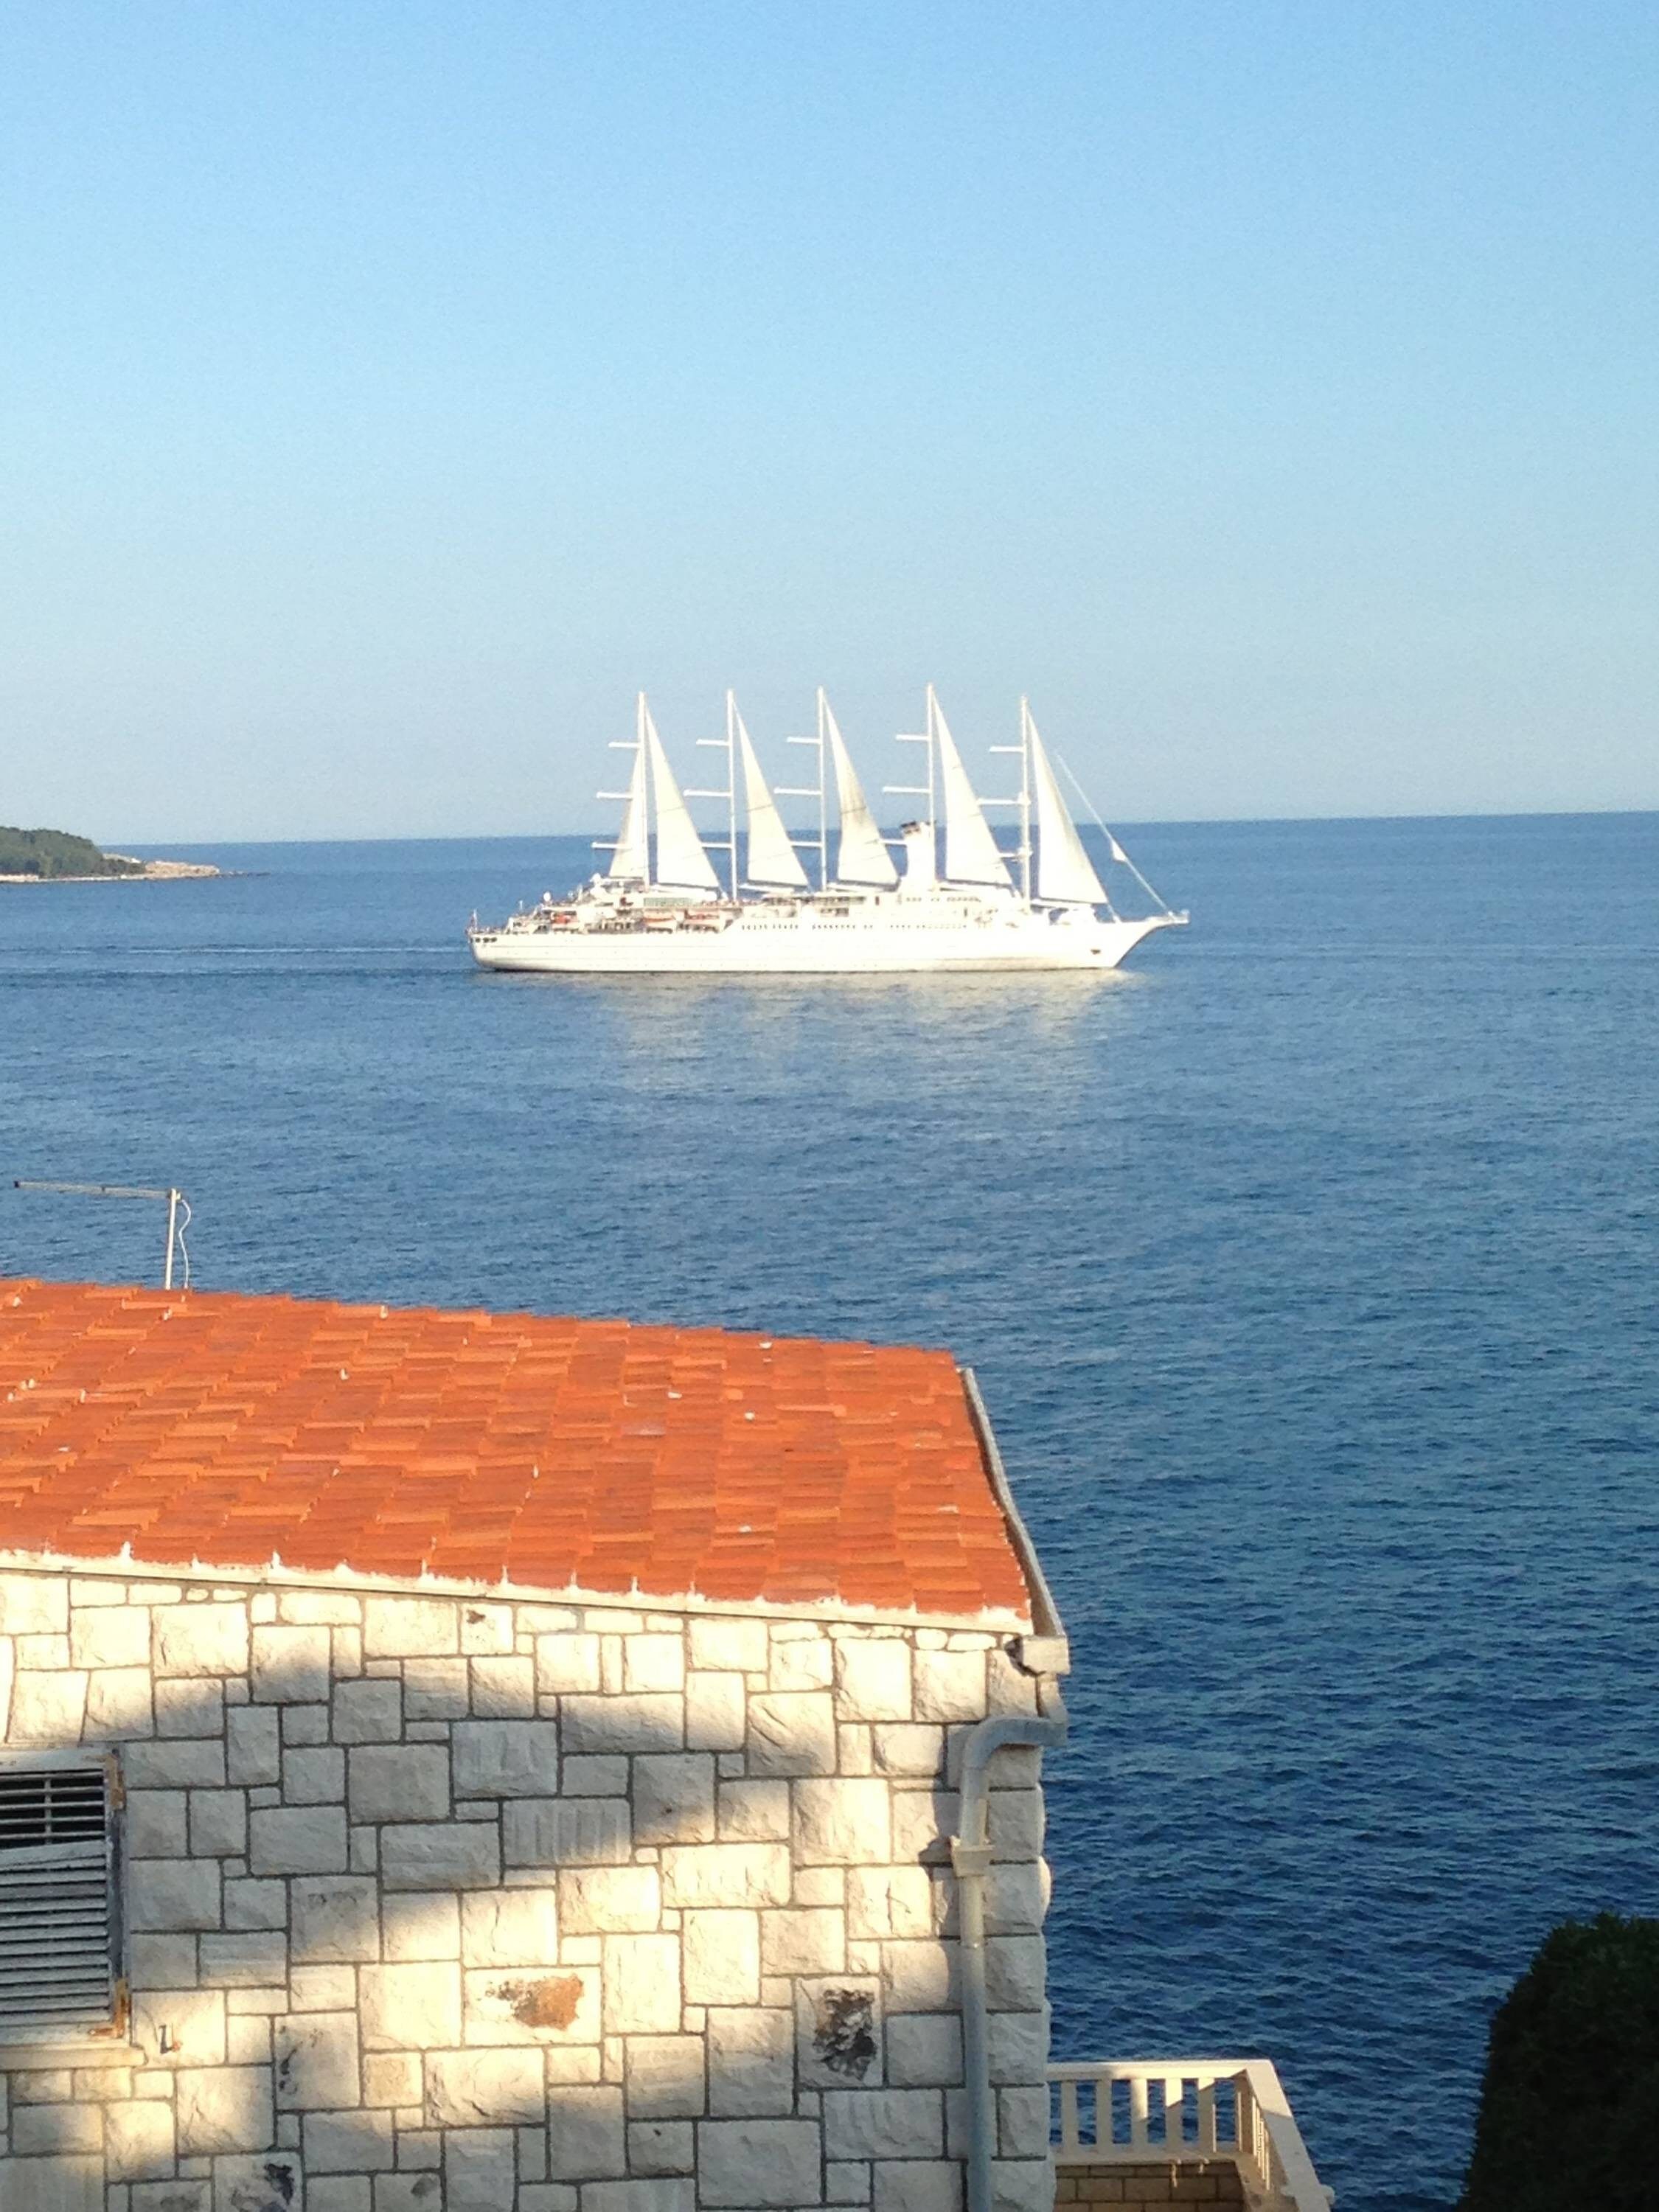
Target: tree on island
{"type": "Point", "coordinates": [48, 853]}
{"type": "Point", "coordinates": [1568, 2114]}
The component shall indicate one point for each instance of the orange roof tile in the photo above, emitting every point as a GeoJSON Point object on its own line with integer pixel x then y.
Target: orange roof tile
{"type": "Point", "coordinates": [233, 1431]}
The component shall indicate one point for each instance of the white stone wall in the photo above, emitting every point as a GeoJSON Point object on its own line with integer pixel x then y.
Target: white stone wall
{"type": "Point", "coordinates": [443, 1905]}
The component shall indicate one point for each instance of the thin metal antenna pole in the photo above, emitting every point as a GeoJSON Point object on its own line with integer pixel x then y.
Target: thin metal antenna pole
{"type": "Point", "coordinates": [172, 1198]}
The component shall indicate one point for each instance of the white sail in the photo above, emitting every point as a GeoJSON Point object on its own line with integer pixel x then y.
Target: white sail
{"type": "Point", "coordinates": [681, 861]}
{"type": "Point", "coordinates": [862, 858]}
{"type": "Point", "coordinates": [1065, 875]}
{"type": "Point", "coordinates": [771, 858]}
{"type": "Point", "coordinates": [630, 856]}
{"type": "Point", "coordinates": [971, 850]}
{"type": "Point", "coordinates": [932, 926]}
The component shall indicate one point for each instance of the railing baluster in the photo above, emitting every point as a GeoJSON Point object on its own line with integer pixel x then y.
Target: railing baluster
{"type": "Point", "coordinates": [1244, 2110]}
{"type": "Point", "coordinates": [1070, 2139]}
{"type": "Point", "coordinates": [1206, 2118]}
{"type": "Point", "coordinates": [1240, 2113]}
{"type": "Point", "coordinates": [1138, 2110]}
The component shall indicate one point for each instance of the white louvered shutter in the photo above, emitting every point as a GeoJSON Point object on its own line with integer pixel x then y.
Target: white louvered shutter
{"type": "Point", "coordinates": [56, 1921]}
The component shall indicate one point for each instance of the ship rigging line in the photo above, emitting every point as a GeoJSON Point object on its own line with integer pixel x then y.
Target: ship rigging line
{"type": "Point", "coordinates": [1115, 850]}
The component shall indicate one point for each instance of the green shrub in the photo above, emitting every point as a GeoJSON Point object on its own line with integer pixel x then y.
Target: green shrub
{"type": "Point", "coordinates": [1568, 2114]}
{"type": "Point", "coordinates": [55, 853]}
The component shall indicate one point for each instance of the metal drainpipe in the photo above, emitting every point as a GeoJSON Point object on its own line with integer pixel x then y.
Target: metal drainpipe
{"type": "Point", "coordinates": [970, 1854]}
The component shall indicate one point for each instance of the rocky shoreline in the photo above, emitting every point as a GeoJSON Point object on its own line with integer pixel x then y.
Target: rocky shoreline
{"type": "Point", "coordinates": [165, 870]}
{"type": "Point", "coordinates": [138, 872]}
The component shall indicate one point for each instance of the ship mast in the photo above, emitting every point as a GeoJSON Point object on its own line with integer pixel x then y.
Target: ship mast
{"type": "Point", "coordinates": [861, 856]}
{"type": "Point", "coordinates": [920, 790]}
{"type": "Point", "coordinates": [1022, 799]}
{"type": "Point", "coordinates": [820, 844]}
{"type": "Point", "coordinates": [971, 853]}
{"type": "Point", "coordinates": [770, 856]}
{"type": "Point", "coordinates": [728, 743]}
{"type": "Point", "coordinates": [634, 843]}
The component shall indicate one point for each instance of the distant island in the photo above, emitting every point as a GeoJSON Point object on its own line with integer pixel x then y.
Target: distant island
{"type": "Point", "coordinates": [42, 856]}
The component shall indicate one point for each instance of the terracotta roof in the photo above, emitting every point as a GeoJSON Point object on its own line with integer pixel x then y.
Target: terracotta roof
{"type": "Point", "coordinates": [232, 1431]}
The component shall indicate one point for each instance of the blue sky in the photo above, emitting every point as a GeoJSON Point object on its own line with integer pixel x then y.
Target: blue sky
{"type": "Point", "coordinates": [387, 390]}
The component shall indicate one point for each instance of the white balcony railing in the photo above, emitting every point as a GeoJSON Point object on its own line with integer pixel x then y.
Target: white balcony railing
{"type": "Point", "coordinates": [1130, 2111]}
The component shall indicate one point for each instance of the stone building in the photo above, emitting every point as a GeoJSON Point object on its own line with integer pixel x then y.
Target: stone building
{"type": "Point", "coordinates": [457, 1762]}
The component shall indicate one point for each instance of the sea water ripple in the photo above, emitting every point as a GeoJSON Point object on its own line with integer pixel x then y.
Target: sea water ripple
{"type": "Point", "coordinates": [1309, 1269]}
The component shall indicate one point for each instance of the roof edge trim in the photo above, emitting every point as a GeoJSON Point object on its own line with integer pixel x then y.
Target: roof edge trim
{"type": "Point", "coordinates": [112, 1567]}
{"type": "Point", "coordinates": [1048, 1651]}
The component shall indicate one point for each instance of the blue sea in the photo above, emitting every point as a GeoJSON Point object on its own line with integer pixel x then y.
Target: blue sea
{"type": "Point", "coordinates": [1309, 1268]}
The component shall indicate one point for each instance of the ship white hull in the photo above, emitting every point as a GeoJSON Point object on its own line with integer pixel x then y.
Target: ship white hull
{"type": "Point", "coordinates": [659, 907]}
{"type": "Point", "coordinates": [805, 943]}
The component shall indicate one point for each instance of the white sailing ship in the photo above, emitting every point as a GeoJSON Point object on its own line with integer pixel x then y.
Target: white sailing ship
{"type": "Point", "coordinates": [659, 908]}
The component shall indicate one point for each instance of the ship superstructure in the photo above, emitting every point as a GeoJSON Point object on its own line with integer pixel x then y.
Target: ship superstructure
{"type": "Point", "coordinates": [659, 907]}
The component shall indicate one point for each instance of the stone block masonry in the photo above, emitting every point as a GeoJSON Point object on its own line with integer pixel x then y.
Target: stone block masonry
{"type": "Point", "coordinates": [1154, 2185]}
{"type": "Point", "coordinates": [440, 1904]}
